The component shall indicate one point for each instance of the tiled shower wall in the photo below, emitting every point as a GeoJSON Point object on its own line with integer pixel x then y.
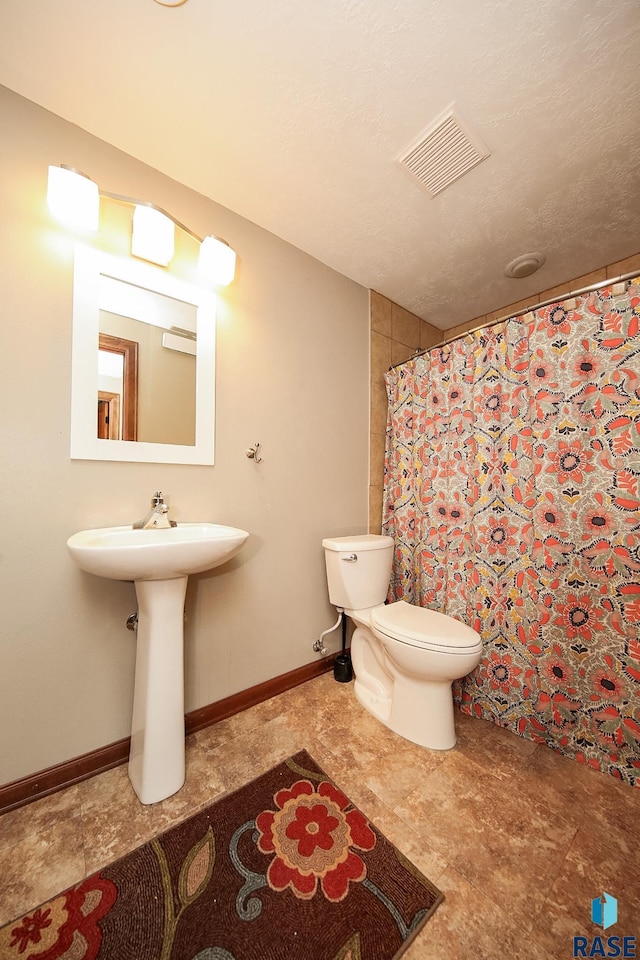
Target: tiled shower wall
{"type": "Point", "coordinates": [396, 334]}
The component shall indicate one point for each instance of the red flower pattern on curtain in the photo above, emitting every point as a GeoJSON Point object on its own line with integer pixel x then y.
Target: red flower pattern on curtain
{"type": "Point", "coordinates": [512, 490]}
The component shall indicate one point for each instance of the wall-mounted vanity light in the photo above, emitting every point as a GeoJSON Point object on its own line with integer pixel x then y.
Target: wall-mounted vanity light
{"type": "Point", "coordinates": [152, 235]}
{"type": "Point", "coordinates": [74, 199]}
{"type": "Point", "coordinates": [217, 261]}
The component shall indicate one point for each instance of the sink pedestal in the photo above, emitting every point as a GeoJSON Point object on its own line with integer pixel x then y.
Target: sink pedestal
{"type": "Point", "coordinates": [156, 760]}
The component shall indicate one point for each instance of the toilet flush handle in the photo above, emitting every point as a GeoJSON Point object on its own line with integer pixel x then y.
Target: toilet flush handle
{"type": "Point", "coordinates": [351, 558]}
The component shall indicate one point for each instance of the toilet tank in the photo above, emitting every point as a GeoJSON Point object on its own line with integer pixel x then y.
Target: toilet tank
{"type": "Point", "coordinates": [358, 570]}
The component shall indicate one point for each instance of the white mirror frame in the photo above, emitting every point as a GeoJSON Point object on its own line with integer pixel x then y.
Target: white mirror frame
{"type": "Point", "coordinates": [89, 265]}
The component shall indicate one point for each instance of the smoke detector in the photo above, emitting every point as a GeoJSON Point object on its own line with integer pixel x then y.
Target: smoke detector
{"type": "Point", "coordinates": [524, 266]}
{"type": "Point", "coordinates": [443, 153]}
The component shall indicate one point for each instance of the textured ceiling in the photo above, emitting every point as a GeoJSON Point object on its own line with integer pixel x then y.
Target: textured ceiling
{"type": "Point", "coordinates": [293, 113]}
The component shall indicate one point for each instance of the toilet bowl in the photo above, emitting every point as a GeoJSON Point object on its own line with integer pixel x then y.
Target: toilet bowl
{"type": "Point", "coordinates": [405, 657]}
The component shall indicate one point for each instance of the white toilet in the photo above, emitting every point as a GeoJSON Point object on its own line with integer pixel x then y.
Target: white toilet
{"type": "Point", "coordinates": [405, 658]}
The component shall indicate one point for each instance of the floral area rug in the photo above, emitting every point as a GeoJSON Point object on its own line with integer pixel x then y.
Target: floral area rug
{"type": "Point", "coordinates": [284, 868]}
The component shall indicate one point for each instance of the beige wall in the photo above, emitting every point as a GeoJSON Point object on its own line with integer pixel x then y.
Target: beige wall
{"type": "Point", "coordinates": [395, 335]}
{"type": "Point", "coordinates": [291, 334]}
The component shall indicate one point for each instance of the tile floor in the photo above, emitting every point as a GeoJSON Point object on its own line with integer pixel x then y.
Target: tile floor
{"type": "Point", "coordinates": [518, 838]}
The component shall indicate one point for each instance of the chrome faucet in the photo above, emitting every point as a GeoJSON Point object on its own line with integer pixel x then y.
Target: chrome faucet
{"type": "Point", "coordinates": [157, 517]}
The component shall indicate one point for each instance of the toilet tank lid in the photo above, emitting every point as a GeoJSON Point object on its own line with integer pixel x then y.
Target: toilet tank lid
{"type": "Point", "coordinates": [423, 627]}
{"type": "Point", "coordinates": [366, 541]}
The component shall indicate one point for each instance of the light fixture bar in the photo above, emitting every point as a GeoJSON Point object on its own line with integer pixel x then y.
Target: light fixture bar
{"type": "Point", "coordinates": [131, 201]}
{"type": "Point", "coordinates": [78, 206]}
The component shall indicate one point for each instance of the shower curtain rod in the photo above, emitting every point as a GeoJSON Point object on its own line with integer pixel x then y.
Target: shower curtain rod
{"type": "Point", "coordinates": [518, 313]}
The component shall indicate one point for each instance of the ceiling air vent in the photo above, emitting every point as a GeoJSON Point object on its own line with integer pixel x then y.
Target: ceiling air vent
{"type": "Point", "coordinates": [443, 153]}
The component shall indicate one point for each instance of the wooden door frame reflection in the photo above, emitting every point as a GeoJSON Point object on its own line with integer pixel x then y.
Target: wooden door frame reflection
{"type": "Point", "coordinates": [128, 349]}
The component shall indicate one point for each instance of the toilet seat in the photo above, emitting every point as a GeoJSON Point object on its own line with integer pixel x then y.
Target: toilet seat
{"type": "Point", "coordinates": [421, 627]}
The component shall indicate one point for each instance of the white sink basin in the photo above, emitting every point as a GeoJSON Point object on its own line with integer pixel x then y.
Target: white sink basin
{"type": "Point", "coordinates": [121, 553]}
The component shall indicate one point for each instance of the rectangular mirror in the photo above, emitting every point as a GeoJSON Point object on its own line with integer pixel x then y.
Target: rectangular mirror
{"type": "Point", "coordinates": [143, 363]}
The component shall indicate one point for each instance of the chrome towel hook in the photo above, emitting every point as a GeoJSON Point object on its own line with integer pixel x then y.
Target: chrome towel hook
{"type": "Point", "coordinates": [253, 453]}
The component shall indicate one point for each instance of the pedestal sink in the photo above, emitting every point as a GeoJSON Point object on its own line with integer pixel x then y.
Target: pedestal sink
{"type": "Point", "coordinates": [159, 562]}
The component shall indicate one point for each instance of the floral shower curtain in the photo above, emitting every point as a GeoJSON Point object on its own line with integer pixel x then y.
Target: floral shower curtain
{"type": "Point", "coordinates": [512, 490]}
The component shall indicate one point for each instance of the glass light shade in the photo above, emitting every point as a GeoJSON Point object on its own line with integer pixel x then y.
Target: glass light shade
{"type": "Point", "coordinates": [73, 198]}
{"type": "Point", "coordinates": [217, 261]}
{"type": "Point", "coordinates": [153, 235]}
